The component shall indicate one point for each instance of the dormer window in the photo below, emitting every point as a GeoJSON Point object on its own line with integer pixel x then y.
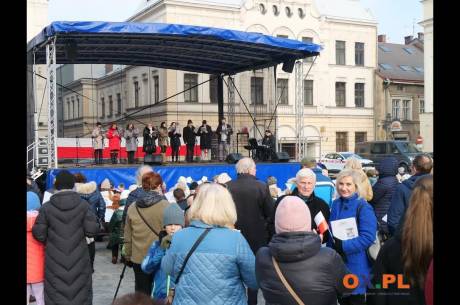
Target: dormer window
{"type": "Point", "coordinates": [288, 11]}
{"type": "Point", "coordinates": [262, 9]}
{"type": "Point", "coordinates": [301, 13]}
{"type": "Point", "coordinates": [276, 12]}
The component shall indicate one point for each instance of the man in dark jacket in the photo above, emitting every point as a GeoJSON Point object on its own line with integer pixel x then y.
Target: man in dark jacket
{"type": "Point", "coordinates": [62, 224]}
{"type": "Point", "coordinates": [421, 166]}
{"type": "Point", "coordinates": [268, 144]}
{"type": "Point", "coordinates": [189, 135]}
{"type": "Point", "coordinates": [254, 207]}
{"type": "Point", "coordinates": [384, 189]}
{"type": "Point", "coordinates": [305, 181]}
{"type": "Point", "coordinates": [224, 132]}
{"type": "Point", "coordinates": [298, 252]}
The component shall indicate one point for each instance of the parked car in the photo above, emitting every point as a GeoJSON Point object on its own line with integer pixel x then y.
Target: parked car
{"type": "Point", "coordinates": [376, 151]}
{"type": "Point", "coordinates": [335, 162]}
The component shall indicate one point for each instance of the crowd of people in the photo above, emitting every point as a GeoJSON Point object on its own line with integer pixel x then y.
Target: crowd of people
{"type": "Point", "coordinates": [223, 240]}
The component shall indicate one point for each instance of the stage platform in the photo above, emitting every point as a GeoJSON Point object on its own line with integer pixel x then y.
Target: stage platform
{"type": "Point", "coordinates": [171, 172]}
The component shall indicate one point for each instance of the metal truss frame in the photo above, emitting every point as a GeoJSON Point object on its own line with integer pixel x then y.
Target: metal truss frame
{"type": "Point", "coordinates": [299, 109]}
{"type": "Point", "coordinates": [52, 108]}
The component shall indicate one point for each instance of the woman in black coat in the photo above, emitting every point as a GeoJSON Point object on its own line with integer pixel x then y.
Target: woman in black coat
{"type": "Point", "coordinates": [205, 134]}
{"type": "Point", "coordinates": [150, 134]}
{"type": "Point", "coordinates": [315, 273]}
{"type": "Point", "coordinates": [174, 136]}
{"type": "Point", "coordinates": [62, 224]}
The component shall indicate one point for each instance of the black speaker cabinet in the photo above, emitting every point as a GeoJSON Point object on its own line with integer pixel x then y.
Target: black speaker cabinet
{"type": "Point", "coordinates": [233, 158]}
{"type": "Point", "coordinates": [153, 159]}
{"type": "Point", "coordinates": [281, 156]}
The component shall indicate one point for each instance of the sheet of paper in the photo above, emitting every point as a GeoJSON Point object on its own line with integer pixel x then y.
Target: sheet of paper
{"type": "Point", "coordinates": [344, 228]}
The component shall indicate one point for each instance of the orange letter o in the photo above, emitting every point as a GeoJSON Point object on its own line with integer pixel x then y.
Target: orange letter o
{"type": "Point", "coordinates": [355, 281]}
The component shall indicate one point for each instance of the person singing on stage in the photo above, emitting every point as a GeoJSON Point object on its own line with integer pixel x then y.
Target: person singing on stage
{"type": "Point", "coordinates": [189, 139]}
{"type": "Point", "coordinates": [150, 134]}
{"type": "Point", "coordinates": [205, 134]}
{"type": "Point", "coordinates": [174, 136]}
{"type": "Point", "coordinates": [98, 142]}
{"type": "Point", "coordinates": [269, 145]}
{"type": "Point", "coordinates": [224, 131]}
{"type": "Point", "coordinates": [130, 136]}
{"type": "Point", "coordinates": [114, 136]}
{"type": "Point", "coordinates": [163, 140]}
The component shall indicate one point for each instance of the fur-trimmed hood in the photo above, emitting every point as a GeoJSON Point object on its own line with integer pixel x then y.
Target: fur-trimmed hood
{"type": "Point", "coordinates": [86, 188]}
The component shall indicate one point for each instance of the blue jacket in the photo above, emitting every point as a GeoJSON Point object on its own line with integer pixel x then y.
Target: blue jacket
{"type": "Point", "coordinates": [152, 264]}
{"type": "Point", "coordinates": [355, 248]}
{"type": "Point", "coordinates": [400, 202]}
{"type": "Point", "coordinates": [324, 187]}
{"type": "Point", "coordinates": [384, 189]}
{"type": "Point", "coordinates": [89, 192]}
{"type": "Point", "coordinates": [218, 270]}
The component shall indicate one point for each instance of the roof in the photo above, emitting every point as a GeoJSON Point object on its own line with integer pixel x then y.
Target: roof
{"type": "Point", "coordinates": [396, 57]}
{"type": "Point", "coordinates": [170, 46]}
{"type": "Point", "coordinates": [346, 9]}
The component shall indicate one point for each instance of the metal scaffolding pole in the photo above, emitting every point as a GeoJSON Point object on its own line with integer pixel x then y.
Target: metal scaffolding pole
{"type": "Point", "coordinates": [299, 106]}
{"type": "Point", "coordinates": [231, 106]}
{"type": "Point", "coordinates": [52, 107]}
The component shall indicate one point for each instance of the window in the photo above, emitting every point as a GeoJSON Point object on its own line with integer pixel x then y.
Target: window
{"type": "Point", "coordinates": [308, 92]}
{"type": "Point", "coordinates": [275, 10]}
{"type": "Point", "coordinates": [359, 54]}
{"type": "Point", "coordinates": [301, 13]}
{"type": "Point", "coordinates": [308, 40]}
{"type": "Point", "coordinates": [136, 94]}
{"type": "Point", "coordinates": [360, 137]}
{"type": "Point", "coordinates": [191, 80]}
{"type": "Point", "coordinates": [378, 148]}
{"type": "Point", "coordinates": [262, 9]}
{"type": "Point", "coordinates": [73, 107]}
{"type": "Point", "coordinates": [385, 66]}
{"type": "Point", "coordinates": [406, 68]}
{"type": "Point", "coordinates": [406, 111]}
{"type": "Point", "coordinates": [68, 109]}
{"type": "Point", "coordinates": [288, 11]}
{"type": "Point", "coordinates": [257, 90]}
{"type": "Point", "coordinates": [419, 69]}
{"type": "Point", "coordinates": [103, 107]}
{"type": "Point", "coordinates": [340, 52]}
{"type": "Point", "coordinates": [395, 109]}
{"type": "Point", "coordinates": [384, 49]}
{"type": "Point", "coordinates": [156, 88]}
{"type": "Point", "coordinates": [340, 95]}
{"type": "Point", "coordinates": [409, 50]}
{"type": "Point", "coordinates": [282, 90]}
{"type": "Point", "coordinates": [110, 106]}
{"type": "Point", "coordinates": [341, 139]}
{"type": "Point", "coordinates": [118, 103]}
{"type": "Point", "coordinates": [213, 89]}
{"type": "Point", "coordinates": [359, 95]}
{"type": "Point", "coordinates": [422, 106]}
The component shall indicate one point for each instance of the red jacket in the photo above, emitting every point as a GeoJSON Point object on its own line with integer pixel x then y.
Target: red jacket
{"type": "Point", "coordinates": [35, 253]}
{"type": "Point", "coordinates": [114, 139]}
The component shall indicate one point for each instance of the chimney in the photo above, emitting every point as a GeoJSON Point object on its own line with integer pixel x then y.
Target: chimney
{"type": "Point", "coordinates": [408, 39]}
{"type": "Point", "coordinates": [382, 38]}
{"type": "Point", "coordinates": [420, 36]}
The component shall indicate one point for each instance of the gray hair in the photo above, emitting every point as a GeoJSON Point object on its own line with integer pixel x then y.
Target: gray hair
{"type": "Point", "coordinates": [141, 171]}
{"type": "Point", "coordinates": [245, 165]}
{"type": "Point", "coordinates": [305, 173]}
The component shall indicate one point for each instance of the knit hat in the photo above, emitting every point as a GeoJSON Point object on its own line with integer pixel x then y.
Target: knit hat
{"type": "Point", "coordinates": [64, 180]}
{"type": "Point", "coordinates": [271, 180]}
{"type": "Point", "coordinates": [193, 185]}
{"type": "Point", "coordinates": [223, 178]}
{"type": "Point", "coordinates": [173, 215]}
{"type": "Point", "coordinates": [105, 184]}
{"type": "Point", "coordinates": [292, 215]}
{"type": "Point", "coordinates": [33, 202]}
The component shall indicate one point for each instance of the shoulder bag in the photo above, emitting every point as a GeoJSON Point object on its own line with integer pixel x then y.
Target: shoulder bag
{"type": "Point", "coordinates": [373, 249]}
{"type": "Point", "coordinates": [139, 212]}
{"type": "Point", "coordinates": [285, 283]}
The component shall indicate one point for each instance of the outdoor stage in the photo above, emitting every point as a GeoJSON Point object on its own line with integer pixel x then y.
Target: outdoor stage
{"type": "Point", "coordinates": [171, 172]}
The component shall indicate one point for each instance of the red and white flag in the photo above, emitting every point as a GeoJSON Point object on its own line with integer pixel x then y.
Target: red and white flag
{"type": "Point", "coordinates": [321, 223]}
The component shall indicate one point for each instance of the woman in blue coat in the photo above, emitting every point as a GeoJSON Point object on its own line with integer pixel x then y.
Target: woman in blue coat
{"type": "Point", "coordinates": [353, 251]}
{"type": "Point", "coordinates": [223, 265]}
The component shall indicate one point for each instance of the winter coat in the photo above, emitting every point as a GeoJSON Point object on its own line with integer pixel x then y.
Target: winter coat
{"type": "Point", "coordinates": [219, 269]}
{"type": "Point", "coordinates": [98, 138]}
{"type": "Point", "coordinates": [384, 189]}
{"type": "Point", "coordinates": [114, 135]}
{"type": "Point", "coordinates": [219, 133]}
{"type": "Point", "coordinates": [269, 141]}
{"type": "Point", "coordinates": [35, 253]}
{"type": "Point", "coordinates": [33, 187]}
{"type": "Point", "coordinates": [205, 136]}
{"type": "Point", "coordinates": [62, 224]}
{"type": "Point", "coordinates": [299, 254]}
{"type": "Point", "coordinates": [400, 202]}
{"type": "Point", "coordinates": [315, 205]}
{"type": "Point", "coordinates": [151, 265]}
{"type": "Point", "coordinates": [355, 248]}
{"type": "Point", "coordinates": [163, 137]}
{"type": "Point", "coordinates": [324, 187]}
{"type": "Point", "coordinates": [254, 209]}
{"type": "Point", "coordinates": [130, 136]}
{"type": "Point", "coordinates": [132, 197]}
{"type": "Point", "coordinates": [189, 135]}
{"type": "Point", "coordinates": [115, 228]}
{"type": "Point", "coordinates": [137, 235]}
{"type": "Point", "coordinates": [174, 137]}
{"type": "Point", "coordinates": [149, 145]}
{"type": "Point", "coordinates": [89, 192]}
{"type": "Point", "coordinates": [389, 261]}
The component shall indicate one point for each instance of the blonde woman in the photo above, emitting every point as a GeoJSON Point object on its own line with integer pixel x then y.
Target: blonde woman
{"type": "Point", "coordinates": [364, 184]}
{"type": "Point", "coordinates": [222, 264]}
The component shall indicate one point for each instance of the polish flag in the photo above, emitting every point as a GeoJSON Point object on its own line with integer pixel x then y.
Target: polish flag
{"type": "Point", "coordinates": [321, 223]}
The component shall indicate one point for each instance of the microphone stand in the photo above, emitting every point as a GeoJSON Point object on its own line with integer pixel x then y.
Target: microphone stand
{"type": "Point", "coordinates": [77, 144]}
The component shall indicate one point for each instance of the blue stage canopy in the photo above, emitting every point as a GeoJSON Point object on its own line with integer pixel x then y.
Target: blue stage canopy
{"type": "Point", "coordinates": [170, 46]}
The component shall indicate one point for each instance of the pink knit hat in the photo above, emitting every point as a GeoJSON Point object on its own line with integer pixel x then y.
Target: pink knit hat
{"type": "Point", "coordinates": [292, 215]}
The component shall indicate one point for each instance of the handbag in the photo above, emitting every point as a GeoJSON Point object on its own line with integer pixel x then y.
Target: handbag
{"type": "Point", "coordinates": [285, 283]}
{"type": "Point", "coordinates": [172, 290]}
{"type": "Point", "coordinates": [374, 249]}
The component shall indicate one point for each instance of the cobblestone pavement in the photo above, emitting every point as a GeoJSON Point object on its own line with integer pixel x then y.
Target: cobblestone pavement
{"type": "Point", "coordinates": [107, 275]}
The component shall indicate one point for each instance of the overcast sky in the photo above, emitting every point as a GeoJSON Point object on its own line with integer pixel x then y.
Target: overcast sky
{"type": "Point", "coordinates": [395, 17]}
